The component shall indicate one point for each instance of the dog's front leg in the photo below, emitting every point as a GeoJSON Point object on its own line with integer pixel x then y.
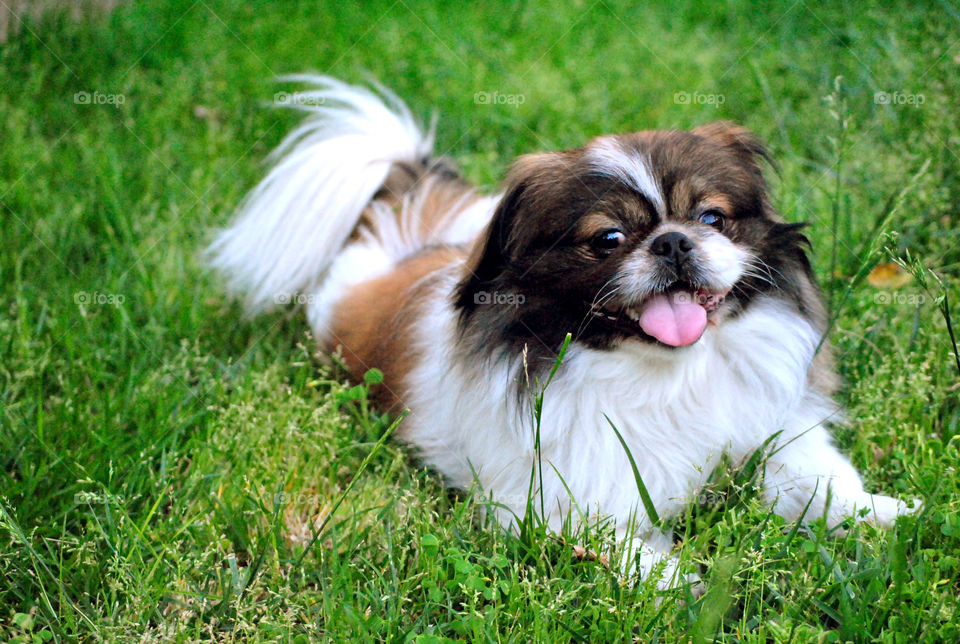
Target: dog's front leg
{"type": "Point", "coordinates": [652, 556]}
{"type": "Point", "coordinates": [808, 469]}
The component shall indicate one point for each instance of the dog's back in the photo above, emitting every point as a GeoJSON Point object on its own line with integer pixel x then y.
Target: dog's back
{"type": "Point", "coordinates": [353, 192]}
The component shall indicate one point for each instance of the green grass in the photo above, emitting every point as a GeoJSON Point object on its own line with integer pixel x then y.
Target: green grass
{"type": "Point", "coordinates": [164, 460]}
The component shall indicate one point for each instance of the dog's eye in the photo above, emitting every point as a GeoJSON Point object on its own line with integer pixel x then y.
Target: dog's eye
{"type": "Point", "coordinates": [608, 240]}
{"type": "Point", "coordinates": [712, 218]}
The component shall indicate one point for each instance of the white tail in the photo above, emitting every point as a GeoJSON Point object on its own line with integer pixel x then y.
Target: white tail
{"type": "Point", "coordinates": [290, 228]}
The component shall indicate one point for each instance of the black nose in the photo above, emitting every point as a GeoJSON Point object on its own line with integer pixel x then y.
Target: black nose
{"type": "Point", "coordinates": [673, 247]}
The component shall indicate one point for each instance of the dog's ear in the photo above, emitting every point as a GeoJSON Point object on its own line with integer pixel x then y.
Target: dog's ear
{"type": "Point", "coordinates": [495, 249]}
{"type": "Point", "coordinates": [742, 141]}
{"type": "Point", "coordinates": [751, 150]}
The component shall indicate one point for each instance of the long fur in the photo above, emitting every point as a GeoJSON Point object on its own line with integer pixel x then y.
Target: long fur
{"type": "Point", "coordinates": [290, 228]}
{"type": "Point", "coordinates": [316, 226]}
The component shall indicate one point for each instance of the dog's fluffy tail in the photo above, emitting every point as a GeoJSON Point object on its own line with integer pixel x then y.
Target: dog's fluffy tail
{"type": "Point", "coordinates": [289, 229]}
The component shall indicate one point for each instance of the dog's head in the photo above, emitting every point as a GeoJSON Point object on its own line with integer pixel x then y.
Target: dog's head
{"type": "Point", "coordinates": [650, 237]}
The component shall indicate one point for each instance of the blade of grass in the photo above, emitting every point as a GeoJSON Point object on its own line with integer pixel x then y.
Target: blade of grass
{"type": "Point", "coordinates": [869, 249]}
{"type": "Point", "coordinates": [641, 487]}
{"type": "Point", "coordinates": [356, 477]}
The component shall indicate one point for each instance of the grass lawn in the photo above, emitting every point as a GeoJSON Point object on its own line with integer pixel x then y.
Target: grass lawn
{"type": "Point", "coordinates": [166, 464]}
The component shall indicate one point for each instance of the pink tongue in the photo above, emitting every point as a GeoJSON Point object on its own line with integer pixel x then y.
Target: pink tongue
{"type": "Point", "coordinates": [675, 319]}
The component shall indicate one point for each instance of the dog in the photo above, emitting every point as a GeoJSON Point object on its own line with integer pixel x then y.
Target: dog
{"type": "Point", "coordinates": [687, 310]}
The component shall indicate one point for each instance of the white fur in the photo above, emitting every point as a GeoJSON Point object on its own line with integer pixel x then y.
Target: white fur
{"type": "Point", "coordinates": [726, 260]}
{"type": "Point", "coordinates": [679, 410]}
{"type": "Point", "coordinates": [464, 419]}
{"type": "Point", "coordinates": [385, 242]}
{"type": "Point", "coordinates": [292, 225]}
{"type": "Point", "coordinates": [723, 261]}
{"type": "Point", "coordinates": [606, 156]}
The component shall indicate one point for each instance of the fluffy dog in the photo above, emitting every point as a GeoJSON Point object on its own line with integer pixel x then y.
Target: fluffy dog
{"type": "Point", "coordinates": [695, 321]}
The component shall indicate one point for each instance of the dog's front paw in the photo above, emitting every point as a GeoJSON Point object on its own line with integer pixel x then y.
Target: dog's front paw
{"type": "Point", "coordinates": [876, 509]}
{"type": "Point", "coordinates": [884, 510]}
{"type": "Point", "coordinates": [669, 575]}
{"type": "Point", "coordinates": [666, 569]}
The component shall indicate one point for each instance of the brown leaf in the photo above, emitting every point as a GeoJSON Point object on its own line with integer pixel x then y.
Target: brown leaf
{"type": "Point", "coordinates": [889, 275]}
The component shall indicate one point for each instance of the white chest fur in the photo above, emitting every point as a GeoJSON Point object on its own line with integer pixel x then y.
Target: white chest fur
{"type": "Point", "coordinates": [678, 410]}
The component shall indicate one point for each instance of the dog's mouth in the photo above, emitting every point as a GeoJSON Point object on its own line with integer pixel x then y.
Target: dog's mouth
{"type": "Point", "coordinates": [676, 317]}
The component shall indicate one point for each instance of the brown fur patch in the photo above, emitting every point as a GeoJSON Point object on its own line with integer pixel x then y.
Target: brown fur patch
{"type": "Point", "coordinates": [437, 189]}
{"type": "Point", "coordinates": [441, 201]}
{"type": "Point", "coordinates": [737, 138]}
{"type": "Point", "coordinates": [531, 178]}
{"type": "Point", "coordinates": [593, 224]}
{"type": "Point", "coordinates": [717, 201]}
{"type": "Point", "coordinates": [694, 195]}
{"type": "Point", "coordinates": [373, 325]}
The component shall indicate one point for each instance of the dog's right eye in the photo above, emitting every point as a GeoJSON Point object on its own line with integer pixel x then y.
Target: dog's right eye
{"type": "Point", "coordinates": [608, 240]}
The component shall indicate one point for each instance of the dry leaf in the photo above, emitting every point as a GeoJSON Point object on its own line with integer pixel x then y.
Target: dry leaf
{"type": "Point", "coordinates": [889, 275]}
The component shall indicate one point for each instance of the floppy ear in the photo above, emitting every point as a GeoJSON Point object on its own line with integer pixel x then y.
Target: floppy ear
{"type": "Point", "coordinates": [739, 139]}
{"type": "Point", "coordinates": [492, 253]}
{"type": "Point", "coordinates": [750, 149]}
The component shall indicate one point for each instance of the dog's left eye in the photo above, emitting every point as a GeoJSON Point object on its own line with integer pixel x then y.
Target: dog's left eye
{"type": "Point", "coordinates": [608, 240]}
{"type": "Point", "coordinates": [712, 218]}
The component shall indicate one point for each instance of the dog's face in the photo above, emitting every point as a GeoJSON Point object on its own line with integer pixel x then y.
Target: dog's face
{"type": "Point", "coordinates": [649, 237]}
